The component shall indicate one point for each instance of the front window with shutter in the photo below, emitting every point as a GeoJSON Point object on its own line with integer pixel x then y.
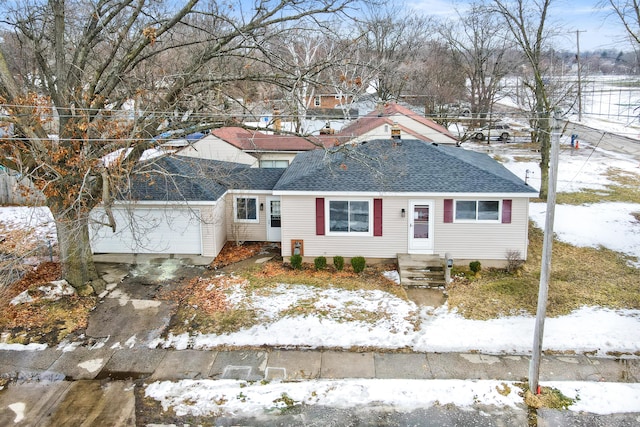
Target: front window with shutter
{"type": "Point", "coordinates": [477, 210]}
{"type": "Point", "coordinates": [349, 217]}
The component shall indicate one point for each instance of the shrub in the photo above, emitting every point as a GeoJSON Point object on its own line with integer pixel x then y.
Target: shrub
{"type": "Point", "coordinates": [338, 262]}
{"type": "Point", "coordinates": [320, 263]}
{"type": "Point", "coordinates": [475, 266]}
{"type": "Point", "coordinates": [296, 261]}
{"type": "Point", "coordinates": [514, 261]}
{"type": "Point", "coordinates": [358, 263]}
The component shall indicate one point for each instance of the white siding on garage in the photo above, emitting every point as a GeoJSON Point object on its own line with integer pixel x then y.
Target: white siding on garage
{"type": "Point", "coordinates": [165, 229]}
{"type": "Point", "coordinates": [214, 231]}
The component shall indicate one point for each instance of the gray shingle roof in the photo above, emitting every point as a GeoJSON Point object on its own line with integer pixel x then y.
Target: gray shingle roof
{"type": "Point", "coordinates": [411, 166]}
{"type": "Point", "coordinates": [178, 178]}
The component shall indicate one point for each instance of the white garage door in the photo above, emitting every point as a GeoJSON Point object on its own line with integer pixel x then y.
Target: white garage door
{"type": "Point", "coordinates": [144, 231]}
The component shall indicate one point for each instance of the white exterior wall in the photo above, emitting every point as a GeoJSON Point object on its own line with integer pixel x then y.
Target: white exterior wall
{"type": "Point", "coordinates": [149, 228]}
{"type": "Point", "coordinates": [421, 129]}
{"type": "Point", "coordinates": [384, 132]}
{"type": "Point", "coordinates": [381, 132]}
{"type": "Point", "coordinates": [213, 148]}
{"type": "Point", "coordinates": [482, 241]}
{"type": "Point", "coordinates": [214, 230]}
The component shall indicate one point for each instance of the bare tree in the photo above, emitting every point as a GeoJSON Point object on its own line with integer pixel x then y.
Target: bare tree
{"type": "Point", "coordinates": [112, 74]}
{"type": "Point", "coordinates": [391, 37]}
{"type": "Point", "coordinates": [628, 11]}
{"type": "Point", "coordinates": [526, 20]}
{"type": "Point", "coordinates": [480, 48]}
{"type": "Point", "coordinates": [436, 82]}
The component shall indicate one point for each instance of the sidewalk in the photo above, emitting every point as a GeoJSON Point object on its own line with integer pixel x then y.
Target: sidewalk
{"type": "Point", "coordinates": [253, 365]}
{"type": "Point", "coordinates": [94, 386]}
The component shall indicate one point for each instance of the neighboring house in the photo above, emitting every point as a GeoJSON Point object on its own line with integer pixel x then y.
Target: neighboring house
{"type": "Point", "coordinates": [253, 148]}
{"type": "Point", "coordinates": [375, 199]}
{"type": "Point", "coordinates": [380, 123]}
{"type": "Point", "coordinates": [331, 100]}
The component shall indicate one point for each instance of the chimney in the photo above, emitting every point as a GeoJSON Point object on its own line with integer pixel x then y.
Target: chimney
{"type": "Point", "coordinates": [277, 124]}
{"type": "Point", "coordinates": [395, 131]}
{"type": "Point", "coordinates": [327, 130]}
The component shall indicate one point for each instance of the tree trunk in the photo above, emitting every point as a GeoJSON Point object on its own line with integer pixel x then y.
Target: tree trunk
{"type": "Point", "coordinates": [544, 138]}
{"type": "Point", "coordinates": [78, 268]}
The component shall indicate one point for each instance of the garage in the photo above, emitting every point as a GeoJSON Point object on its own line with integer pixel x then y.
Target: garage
{"type": "Point", "coordinates": [148, 231]}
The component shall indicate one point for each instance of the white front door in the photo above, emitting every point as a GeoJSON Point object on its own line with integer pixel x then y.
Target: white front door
{"type": "Point", "coordinates": [273, 219]}
{"type": "Point", "coordinates": [421, 226]}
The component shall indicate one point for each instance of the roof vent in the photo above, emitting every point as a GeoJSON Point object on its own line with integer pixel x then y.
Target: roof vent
{"type": "Point", "coordinates": [434, 144]}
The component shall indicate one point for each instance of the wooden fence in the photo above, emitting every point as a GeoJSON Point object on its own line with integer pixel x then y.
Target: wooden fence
{"type": "Point", "coordinates": [12, 190]}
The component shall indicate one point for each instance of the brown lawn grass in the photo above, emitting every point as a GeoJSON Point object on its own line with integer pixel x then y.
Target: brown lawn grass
{"type": "Point", "coordinates": [42, 321]}
{"type": "Point", "coordinates": [579, 277]}
{"type": "Point", "coordinates": [624, 187]}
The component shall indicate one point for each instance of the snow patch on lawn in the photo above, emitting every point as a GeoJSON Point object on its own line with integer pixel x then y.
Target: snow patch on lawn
{"type": "Point", "coordinates": [344, 319]}
{"type": "Point", "coordinates": [227, 397]}
{"type": "Point", "coordinates": [51, 291]}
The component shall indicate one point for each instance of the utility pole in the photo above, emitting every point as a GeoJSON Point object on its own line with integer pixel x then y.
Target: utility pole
{"type": "Point", "coordinates": [545, 270]}
{"type": "Point", "coordinates": [579, 74]}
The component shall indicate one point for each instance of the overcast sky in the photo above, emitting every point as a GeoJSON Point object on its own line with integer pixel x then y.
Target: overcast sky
{"type": "Point", "coordinates": [601, 30]}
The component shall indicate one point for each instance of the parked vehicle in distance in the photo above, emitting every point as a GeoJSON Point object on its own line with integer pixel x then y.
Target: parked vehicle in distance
{"type": "Point", "coordinates": [499, 131]}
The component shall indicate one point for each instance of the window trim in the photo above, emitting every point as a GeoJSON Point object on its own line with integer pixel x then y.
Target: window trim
{"type": "Point", "coordinates": [327, 217]}
{"type": "Point", "coordinates": [246, 220]}
{"type": "Point", "coordinates": [476, 220]}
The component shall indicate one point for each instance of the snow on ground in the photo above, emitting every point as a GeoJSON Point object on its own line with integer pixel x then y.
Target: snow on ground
{"type": "Point", "coordinates": [607, 224]}
{"type": "Point", "coordinates": [204, 397]}
{"type": "Point", "coordinates": [225, 397]}
{"type": "Point", "coordinates": [600, 224]}
{"type": "Point", "coordinates": [346, 319]}
{"type": "Point", "coordinates": [37, 218]}
{"type": "Point", "coordinates": [374, 319]}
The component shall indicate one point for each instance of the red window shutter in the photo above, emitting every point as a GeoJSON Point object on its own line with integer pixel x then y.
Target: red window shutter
{"type": "Point", "coordinates": [377, 217]}
{"type": "Point", "coordinates": [506, 211]}
{"type": "Point", "coordinates": [319, 217]}
{"type": "Point", "coordinates": [448, 210]}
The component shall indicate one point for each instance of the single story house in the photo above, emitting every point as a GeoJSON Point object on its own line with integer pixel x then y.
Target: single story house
{"type": "Point", "coordinates": [383, 121]}
{"type": "Point", "coordinates": [375, 199]}
{"type": "Point", "coordinates": [250, 147]}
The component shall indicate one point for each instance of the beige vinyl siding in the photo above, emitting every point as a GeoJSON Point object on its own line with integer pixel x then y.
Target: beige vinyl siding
{"type": "Point", "coordinates": [246, 231]}
{"type": "Point", "coordinates": [214, 231]}
{"type": "Point", "coordinates": [480, 240]}
{"type": "Point", "coordinates": [213, 148]}
{"type": "Point", "coordinates": [298, 219]}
